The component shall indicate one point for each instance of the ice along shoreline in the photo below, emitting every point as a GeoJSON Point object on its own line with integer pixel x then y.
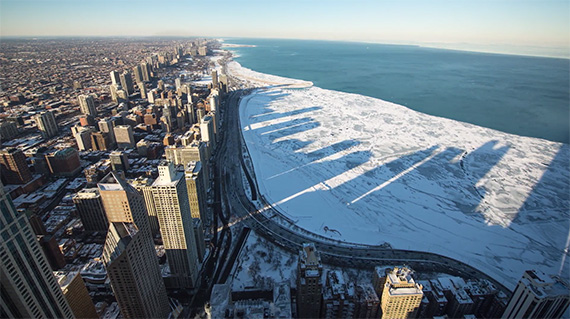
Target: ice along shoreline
{"type": "Point", "coordinates": [363, 170]}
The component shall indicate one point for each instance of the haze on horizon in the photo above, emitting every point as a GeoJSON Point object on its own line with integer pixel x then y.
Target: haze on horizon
{"type": "Point", "coordinates": [527, 27]}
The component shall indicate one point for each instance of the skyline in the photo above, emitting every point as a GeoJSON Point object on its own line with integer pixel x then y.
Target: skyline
{"type": "Point", "coordinates": [539, 28]}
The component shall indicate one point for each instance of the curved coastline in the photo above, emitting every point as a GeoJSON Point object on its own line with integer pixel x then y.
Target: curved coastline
{"type": "Point", "coordinates": [484, 212]}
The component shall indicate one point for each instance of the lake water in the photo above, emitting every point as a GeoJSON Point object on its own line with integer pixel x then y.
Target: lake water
{"type": "Point", "coordinates": [521, 95]}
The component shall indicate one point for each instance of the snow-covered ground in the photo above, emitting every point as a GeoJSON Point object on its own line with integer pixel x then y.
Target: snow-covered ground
{"type": "Point", "coordinates": [364, 170]}
{"type": "Point", "coordinates": [261, 263]}
{"type": "Point", "coordinates": [261, 79]}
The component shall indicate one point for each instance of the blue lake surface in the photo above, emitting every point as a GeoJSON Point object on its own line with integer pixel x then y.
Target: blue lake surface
{"type": "Point", "coordinates": [521, 95]}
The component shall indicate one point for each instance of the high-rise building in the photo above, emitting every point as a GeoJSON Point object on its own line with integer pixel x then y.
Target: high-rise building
{"type": "Point", "coordinates": [87, 105]}
{"type": "Point", "coordinates": [400, 296]}
{"type": "Point", "coordinates": [90, 210]}
{"type": "Point", "coordinates": [76, 294]}
{"type": "Point", "coordinates": [115, 78]}
{"type": "Point", "coordinates": [338, 296]}
{"type": "Point", "coordinates": [176, 225]}
{"type": "Point", "coordinates": [132, 268]}
{"type": "Point", "coordinates": [367, 301]}
{"type": "Point", "coordinates": [207, 130]}
{"type": "Point", "coordinates": [100, 141]}
{"type": "Point", "coordinates": [199, 236]}
{"type": "Point", "coordinates": [145, 68]}
{"type": "Point", "coordinates": [46, 124]}
{"type": "Point", "coordinates": [538, 295]}
{"type": "Point", "coordinates": [197, 192]}
{"type": "Point", "coordinates": [127, 82]}
{"type": "Point", "coordinates": [137, 71]}
{"type": "Point", "coordinates": [124, 136]}
{"type": "Point", "coordinates": [143, 186]}
{"type": "Point", "coordinates": [309, 282]}
{"type": "Point", "coordinates": [142, 89]}
{"type": "Point", "coordinates": [122, 202]}
{"type": "Point", "coordinates": [50, 247]}
{"type": "Point", "coordinates": [13, 166]}
{"type": "Point", "coordinates": [83, 138]}
{"type": "Point", "coordinates": [214, 79]}
{"type": "Point", "coordinates": [107, 125]}
{"type": "Point", "coordinates": [29, 289]}
{"type": "Point", "coordinates": [119, 161]}
{"type": "Point", "coordinates": [8, 130]}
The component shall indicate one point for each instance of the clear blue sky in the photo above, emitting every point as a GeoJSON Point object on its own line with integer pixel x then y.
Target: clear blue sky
{"type": "Point", "coordinates": [497, 25]}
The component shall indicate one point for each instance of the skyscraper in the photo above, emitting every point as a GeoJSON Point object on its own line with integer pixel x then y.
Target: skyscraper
{"type": "Point", "coordinates": [122, 202]}
{"type": "Point", "coordinates": [29, 289]}
{"type": "Point", "coordinates": [87, 105]}
{"type": "Point", "coordinates": [176, 225]}
{"type": "Point", "coordinates": [76, 294]}
{"type": "Point", "coordinates": [124, 136]}
{"type": "Point", "coordinates": [309, 282]}
{"type": "Point", "coordinates": [137, 71]}
{"type": "Point", "coordinates": [46, 124]}
{"type": "Point", "coordinates": [127, 82]}
{"type": "Point", "coordinates": [132, 268]}
{"type": "Point", "coordinates": [145, 68]}
{"type": "Point", "coordinates": [129, 254]}
{"type": "Point", "coordinates": [197, 192]}
{"type": "Point", "coordinates": [538, 295]}
{"type": "Point", "coordinates": [115, 79]}
{"type": "Point", "coordinates": [90, 210]}
{"type": "Point", "coordinates": [207, 130]}
{"type": "Point", "coordinates": [214, 79]}
{"type": "Point", "coordinates": [13, 166]}
{"type": "Point", "coordinates": [400, 296]}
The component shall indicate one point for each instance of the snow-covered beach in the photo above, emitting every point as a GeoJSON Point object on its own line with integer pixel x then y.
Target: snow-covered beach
{"type": "Point", "coordinates": [363, 170]}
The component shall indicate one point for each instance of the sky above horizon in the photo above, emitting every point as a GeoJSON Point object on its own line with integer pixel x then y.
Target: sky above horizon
{"type": "Point", "coordinates": [533, 27]}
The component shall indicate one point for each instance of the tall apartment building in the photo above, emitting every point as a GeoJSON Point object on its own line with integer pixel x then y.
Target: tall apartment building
{"type": "Point", "coordinates": [100, 141]}
{"type": "Point", "coordinates": [132, 268]}
{"type": "Point", "coordinates": [137, 72]}
{"type": "Point", "coordinates": [83, 138]}
{"type": "Point", "coordinates": [8, 130]}
{"type": "Point", "coordinates": [28, 287]}
{"type": "Point", "coordinates": [127, 82]}
{"type": "Point", "coordinates": [122, 202]}
{"type": "Point", "coordinates": [309, 282]}
{"type": "Point", "coordinates": [207, 130]}
{"type": "Point", "coordinates": [46, 124]}
{"type": "Point", "coordinates": [76, 294]}
{"type": "Point", "coordinates": [115, 78]}
{"type": "Point", "coordinates": [367, 301]}
{"type": "Point", "coordinates": [199, 238]}
{"type": "Point", "coordinates": [538, 295]}
{"type": "Point", "coordinates": [176, 225]}
{"type": "Point", "coordinates": [214, 79]}
{"type": "Point", "coordinates": [107, 125]}
{"type": "Point", "coordinates": [90, 210]}
{"type": "Point", "coordinates": [400, 296]}
{"type": "Point", "coordinates": [197, 192]}
{"type": "Point", "coordinates": [13, 167]}
{"type": "Point", "coordinates": [87, 105]}
{"type": "Point", "coordinates": [338, 296]}
{"type": "Point", "coordinates": [145, 68]}
{"type": "Point", "coordinates": [124, 136]}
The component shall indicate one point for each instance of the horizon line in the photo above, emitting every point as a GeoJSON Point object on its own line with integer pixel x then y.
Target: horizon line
{"type": "Point", "coordinates": [440, 46]}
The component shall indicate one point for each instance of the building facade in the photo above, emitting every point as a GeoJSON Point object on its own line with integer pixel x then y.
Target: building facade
{"type": "Point", "coordinates": [47, 124]}
{"type": "Point", "coordinates": [176, 225]}
{"type": "Point", "coordinates": [538, 295]}
{"type": "Point", "coordinates": [90, 210]}
{"type": "Point", "coordinates": [28, 287]}
{"type": "Point", "coordinates": [400, 296]}
{"type": "Point", "coordinates": [309, 282]}
{"type": "Point", "coordinates": [87, 105]}
{"type": "Point", "coordinates": [13, 166]}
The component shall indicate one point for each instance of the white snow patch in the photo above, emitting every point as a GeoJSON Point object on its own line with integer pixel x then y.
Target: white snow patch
{"type": "Point", "coordinates": [371, 171]}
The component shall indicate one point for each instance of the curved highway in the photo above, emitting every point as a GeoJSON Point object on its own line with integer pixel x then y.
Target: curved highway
{"type": "Point", "coordinates": [273, 226]}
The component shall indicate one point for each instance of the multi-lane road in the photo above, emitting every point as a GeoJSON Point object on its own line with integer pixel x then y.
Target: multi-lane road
{"type": "Point", "coordinates": [273, 226]}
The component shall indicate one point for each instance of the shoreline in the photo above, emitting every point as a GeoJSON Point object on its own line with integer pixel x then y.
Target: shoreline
{"type": "Point", "coordinates": [265, 91]}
